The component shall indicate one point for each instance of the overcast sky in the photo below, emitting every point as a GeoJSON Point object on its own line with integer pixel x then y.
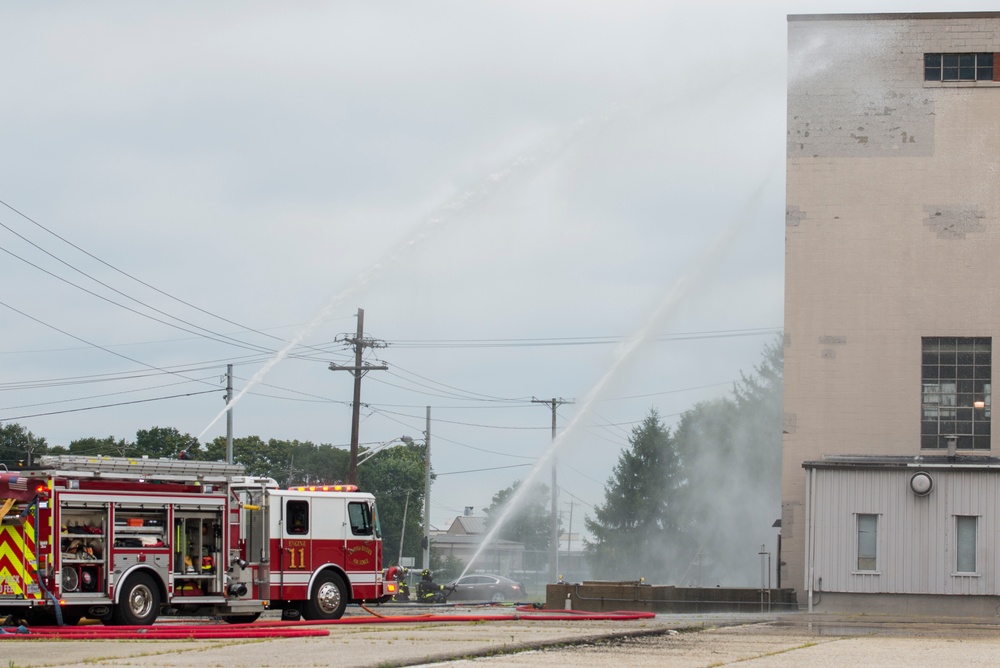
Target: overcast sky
{"type": "Point", "coordinates": [508, 189]}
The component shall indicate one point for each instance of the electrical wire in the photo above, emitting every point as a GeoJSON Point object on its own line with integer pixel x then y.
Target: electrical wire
{"type": "Point", "coordinates": [470, 393]}
{"type": "Point", "coordinates": [129, 276]}
{"type": "Point", "coordinates": [493, 468]}
{"type": "Point", "coordinates": [90, 408]}
{"type": "Point", "coordinates": [95, 345]}
{"type": "Point", "coordinates": [95, 396]}
{"type": "Point", "coordinates": [575, 341]}
{"type": "Point", "coordinates": [213, 337]}
{"type": "Point", "coordinates": [457, 422]}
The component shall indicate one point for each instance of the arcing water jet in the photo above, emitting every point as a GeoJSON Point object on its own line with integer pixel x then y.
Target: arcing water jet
{"type": "Point", "coordinates": [626, 352]}
{"type": "Point", "coordinates": [523, 166]}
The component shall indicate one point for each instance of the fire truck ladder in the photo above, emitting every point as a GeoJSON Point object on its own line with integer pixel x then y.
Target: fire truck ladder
{"type": "Point", "coordinates": [82, 466]}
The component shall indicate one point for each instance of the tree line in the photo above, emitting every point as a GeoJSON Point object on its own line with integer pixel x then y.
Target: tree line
{"type": "Point", "coordinates": [692, 505]}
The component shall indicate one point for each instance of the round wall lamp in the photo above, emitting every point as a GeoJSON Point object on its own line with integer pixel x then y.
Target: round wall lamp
{"type": "Point", "coordinates": [921, 483]}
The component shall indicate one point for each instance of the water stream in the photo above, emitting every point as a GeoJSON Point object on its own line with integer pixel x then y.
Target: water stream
{"type": "Point", "coordinates": [523, 167]}
{"type": "Point", "coordinates": [695, 276]}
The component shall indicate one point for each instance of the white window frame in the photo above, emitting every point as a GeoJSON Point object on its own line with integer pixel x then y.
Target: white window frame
{"type": "Point", "coordinates": [970, 521]}
{"type": "Point", "coordinates": [858, 544]}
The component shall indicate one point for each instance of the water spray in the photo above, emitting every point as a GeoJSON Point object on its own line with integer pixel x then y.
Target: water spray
{"type": "Point", "coordinates": [523, 166]}
{"type": "Point", "coordinates": [626, 352]}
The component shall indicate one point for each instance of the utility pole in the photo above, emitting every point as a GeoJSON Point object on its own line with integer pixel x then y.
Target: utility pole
{"type": "Point", "coordinates": [402, 533]}
{"type": "Point", "coordinates": [427, 492]}
{"type": "Point", "coordinates": [229, 414]}
{"type": "Point", "coordinates": [569, 534]}
{"type": "Point", "coordinates": [360, 368]}
{"type": "Point", "coordinates": [554, 542]}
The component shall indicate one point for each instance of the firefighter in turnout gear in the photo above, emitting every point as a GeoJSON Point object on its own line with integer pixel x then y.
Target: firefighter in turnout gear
{"type": "Point", "coordinates": [400, 575]}
{"type": "Point", "coordinates": [429, 591]}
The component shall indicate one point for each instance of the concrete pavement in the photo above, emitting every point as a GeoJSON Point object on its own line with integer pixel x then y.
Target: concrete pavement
{"type": "Point", "coordinates": [775, 640]}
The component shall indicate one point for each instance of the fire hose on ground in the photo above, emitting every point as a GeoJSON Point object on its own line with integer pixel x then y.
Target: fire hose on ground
{"type": "Point", "coordinates": [293, 629]}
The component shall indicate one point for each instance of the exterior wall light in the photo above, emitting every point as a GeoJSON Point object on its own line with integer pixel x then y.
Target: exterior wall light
{"type": "Point", "coordinates": [921, 484]}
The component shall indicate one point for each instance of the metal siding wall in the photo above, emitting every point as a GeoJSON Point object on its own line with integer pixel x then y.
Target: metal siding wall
{"type": "Point", "coordinates": [989, 535]}
{"type": "Point", "coordinates": [971, 493]}
{"type": "Point", "coordinates": [916, 535]}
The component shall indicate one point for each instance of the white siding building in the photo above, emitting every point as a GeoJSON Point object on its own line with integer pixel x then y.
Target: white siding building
{"type": "Point", "coordinates": [892, 303]}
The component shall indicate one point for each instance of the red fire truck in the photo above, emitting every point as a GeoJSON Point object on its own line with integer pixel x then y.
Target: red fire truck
{"type": "Point", "coordinates": [122, 540]}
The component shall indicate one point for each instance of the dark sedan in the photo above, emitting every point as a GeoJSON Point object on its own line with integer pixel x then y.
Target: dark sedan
{"type": "Point", "coordinates": [493, 588]}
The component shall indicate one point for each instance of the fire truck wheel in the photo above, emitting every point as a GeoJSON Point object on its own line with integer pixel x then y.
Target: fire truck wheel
{"type": "Point", "coordinates": [329, 598]}
{"type": "Point", "coordinates": [138, 602]}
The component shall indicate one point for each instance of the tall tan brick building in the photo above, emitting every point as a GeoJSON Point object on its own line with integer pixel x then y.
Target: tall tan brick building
{"type": "Point", "coordinates": [892, 303]}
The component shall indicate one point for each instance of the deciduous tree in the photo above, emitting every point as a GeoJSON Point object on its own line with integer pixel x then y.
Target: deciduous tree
{"type": "Point", "coordinates": [166, 442]}
{"type": "Point", "coordinates": [107, 446]}
{"type": "Point", "coordinates": [530, 522]}
{"type": "Point", "coordinates": [18, 445]}
{"type": "Point", "coordinates": [396, 477]}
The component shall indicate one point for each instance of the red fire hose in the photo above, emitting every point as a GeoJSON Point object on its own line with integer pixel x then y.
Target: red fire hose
{"type": "Point", "coordinates": [291, 629]}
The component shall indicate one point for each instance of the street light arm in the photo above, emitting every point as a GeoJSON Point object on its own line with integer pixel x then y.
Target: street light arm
{"type": "Point", "coordinates": [378, 448]}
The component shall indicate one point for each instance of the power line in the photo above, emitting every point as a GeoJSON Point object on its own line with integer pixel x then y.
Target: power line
{"type": "Point", "coordinates": [480, 396]}
{"type": "Point", "coordinates": [494, 468]}
{"type": "Point", "coordinates": [576, 341]}
{"type": "Point", "coordinates": [229, 340]}
{"type": "Point", "coordinates": [90, 408]}
{"type": "Point", "coordinates": [96, 396]}
{"type": "Point", "coordinates": [125, 357]}
{"type": "Point", "coordinates": [131, 277]}
{"type": "Point", "coordinates": [569, 493]}
{"type": "Point", "coordinates": [456, 422]}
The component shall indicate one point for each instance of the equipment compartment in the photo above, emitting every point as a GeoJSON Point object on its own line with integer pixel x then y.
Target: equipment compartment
{"type": "Point", "coordinates": [141, 527]}
{"type": "Point", "coordinates": [82, 548]}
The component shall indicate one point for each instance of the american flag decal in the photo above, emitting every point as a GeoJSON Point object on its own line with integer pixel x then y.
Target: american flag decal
{"type": "Point", "coordinates": [19, 484]}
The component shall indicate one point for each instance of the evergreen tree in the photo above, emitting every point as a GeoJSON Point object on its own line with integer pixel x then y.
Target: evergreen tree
{"type": "Point", "coordinates": [638, 531]}
{"type": "Point", "coordinates": [732, 453]}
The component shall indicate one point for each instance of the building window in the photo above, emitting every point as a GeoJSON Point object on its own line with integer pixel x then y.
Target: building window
{"type": "Point", "coordinates": [965, 532]}
{"type": "Point", "coordinates": [956, 392]}
{"type": "Point", "coordinates": [958, 67]}
{"type": "Point", "coordinates": [867, 542]}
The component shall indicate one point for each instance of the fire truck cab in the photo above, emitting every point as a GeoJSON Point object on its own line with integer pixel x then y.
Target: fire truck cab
{"type": "Point", "coordinates": [121, 540]}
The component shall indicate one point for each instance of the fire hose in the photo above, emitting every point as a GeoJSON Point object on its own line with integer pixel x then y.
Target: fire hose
{"type": "Point", "coordinates": [295, 629]}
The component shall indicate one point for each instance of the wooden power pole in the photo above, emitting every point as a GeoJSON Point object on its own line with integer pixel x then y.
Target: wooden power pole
{"type": "Point", "coordinates": [554, 541]}
{"type": "Point", "coordinates": [358, 370]}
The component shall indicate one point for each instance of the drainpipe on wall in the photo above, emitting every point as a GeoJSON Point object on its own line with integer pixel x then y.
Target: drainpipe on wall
{"type": "Point", "coordinates": [810, 484]}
